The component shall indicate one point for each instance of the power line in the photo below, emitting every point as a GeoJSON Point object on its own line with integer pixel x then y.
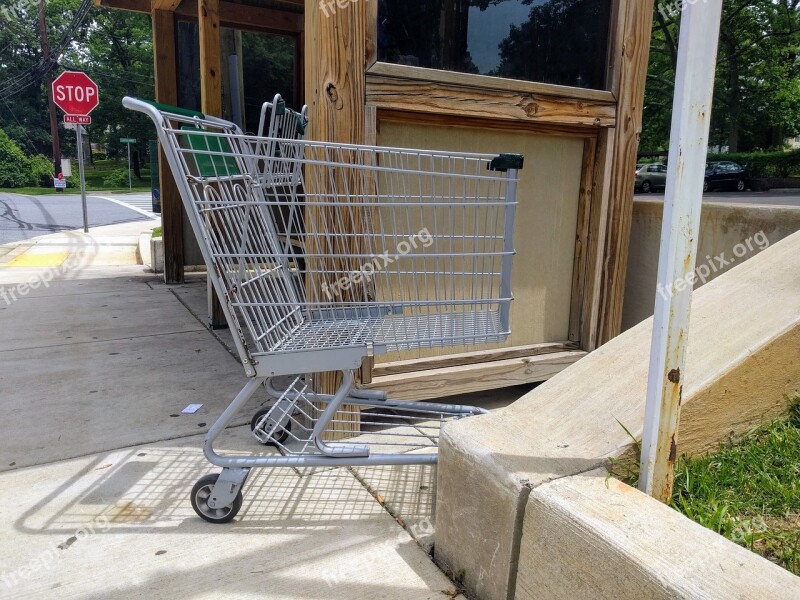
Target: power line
{"type": "Point", "coordinates": [34, 74]}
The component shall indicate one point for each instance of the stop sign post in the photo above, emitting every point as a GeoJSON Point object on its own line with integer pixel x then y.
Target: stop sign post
{"type": "Point", "coordinates": [77, 95]}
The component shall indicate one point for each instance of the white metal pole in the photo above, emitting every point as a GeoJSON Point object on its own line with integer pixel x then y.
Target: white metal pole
{"type": "Point", "coordinates": [130, 186]}
{"type": "Point", "coordinates": [691, 115]}
{"type": "Point", "coordinates": [79, 134]}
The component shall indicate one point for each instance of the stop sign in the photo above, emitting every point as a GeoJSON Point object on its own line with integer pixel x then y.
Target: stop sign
{"type": "Point", "coordinates": [75, 93]}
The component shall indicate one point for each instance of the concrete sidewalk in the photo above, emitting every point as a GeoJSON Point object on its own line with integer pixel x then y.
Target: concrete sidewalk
{"type": "Point", "coordinates": [108, 246]}
{"type": "Point", "coordinates": [97, 460]}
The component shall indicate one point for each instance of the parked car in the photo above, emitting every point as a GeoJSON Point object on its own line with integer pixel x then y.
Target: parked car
{"type": "Point", "coordinates": [726, 175]}
{"type": "Point", "coordinates": [651, 177]}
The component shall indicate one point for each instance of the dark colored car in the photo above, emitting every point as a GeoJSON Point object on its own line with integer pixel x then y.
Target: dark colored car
{"type": "Point", "coordinates": [726, 175]}
{"type": "Point", "coordinates": [651, 177]}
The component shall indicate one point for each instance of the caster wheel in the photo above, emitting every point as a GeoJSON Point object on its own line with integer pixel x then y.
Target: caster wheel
{"type": "Point", "coordinates": [200, 494]}
{"type": "Point", "coordinates": [279, 436]}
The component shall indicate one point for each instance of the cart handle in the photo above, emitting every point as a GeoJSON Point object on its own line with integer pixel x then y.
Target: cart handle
{"type": "Point", "coordinates": [504, 162]}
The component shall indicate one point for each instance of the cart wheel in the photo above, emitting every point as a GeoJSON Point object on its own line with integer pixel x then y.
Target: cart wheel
{"type": "Point", "coordinates": [200, 493]}
{"type": "Point", "coordinates": [281, 433]}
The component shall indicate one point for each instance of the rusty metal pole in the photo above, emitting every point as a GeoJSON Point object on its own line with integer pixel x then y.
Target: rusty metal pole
{"type": "Point", "coordinates": [691, 115]}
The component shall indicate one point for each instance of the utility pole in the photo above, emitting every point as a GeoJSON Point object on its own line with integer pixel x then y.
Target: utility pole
{"type": "Point", "coordinates": [48, 83]}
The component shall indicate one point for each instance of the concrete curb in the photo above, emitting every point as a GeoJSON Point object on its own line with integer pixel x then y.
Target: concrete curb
{"type": "Point", "coordinates": [588, 536]}
{"type": "Point", "coordinates": [742, 367]}
{"type": "Point", "coordinates": [143, 250]}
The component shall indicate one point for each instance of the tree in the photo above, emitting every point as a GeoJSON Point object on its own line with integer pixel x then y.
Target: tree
{"type": "Point", "coordinates": [757, 87]}
{"type": "Point", "coordinates": [553, 45]}
{"type": "Point", "coordinates": [113, 47]}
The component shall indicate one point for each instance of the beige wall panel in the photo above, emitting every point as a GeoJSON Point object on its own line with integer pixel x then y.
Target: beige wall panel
{"type": "Point", "coordinates": [545, 227]}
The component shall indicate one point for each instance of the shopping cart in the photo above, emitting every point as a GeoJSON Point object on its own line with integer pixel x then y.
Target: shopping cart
{"type": "Point", "coordinates": [376, 250]}
{"type": "Point", "coordinates": [283, 124]}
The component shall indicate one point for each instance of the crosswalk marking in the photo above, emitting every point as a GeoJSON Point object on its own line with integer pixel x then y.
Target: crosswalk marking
{"type": "Point", "coordinates": [37, 259]}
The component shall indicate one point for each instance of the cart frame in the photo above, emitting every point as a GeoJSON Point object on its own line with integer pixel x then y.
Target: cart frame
{"type": "Point", "coordinates": [230, 155]}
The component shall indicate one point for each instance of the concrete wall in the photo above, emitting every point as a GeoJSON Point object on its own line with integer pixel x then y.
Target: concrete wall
{"type": "Point", "coordinates": [722, 228]}
{"type": "Point", "coordinates": [742, 368]}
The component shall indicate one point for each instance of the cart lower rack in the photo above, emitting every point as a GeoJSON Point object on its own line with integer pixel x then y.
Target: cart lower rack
{"type": "Point", "coordinates": [366, 251]}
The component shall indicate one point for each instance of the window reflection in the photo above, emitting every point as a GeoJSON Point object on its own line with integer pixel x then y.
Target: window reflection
{"type": "Point", "coordinates": [551, 41]}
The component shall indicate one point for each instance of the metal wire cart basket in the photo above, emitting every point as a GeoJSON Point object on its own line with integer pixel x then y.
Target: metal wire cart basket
{"type": "Point", "coordinates": [361, 251]}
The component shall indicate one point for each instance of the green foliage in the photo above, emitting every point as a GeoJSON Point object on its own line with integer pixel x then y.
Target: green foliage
{"type": "Point", "coordinates": [14, 165]}
{"type": "Point", "coordinates": [41, 171]}
{"type": "Point", "coordinates": [765, 164]}
{"type": "Point", "coordinates": [118, 178]}
{"type": "Point", "coordinates": [113, 47]}
{"type": "Point", "coordinates": [757, 85]}
{"type": "Point", "coordinates": [748, 492]}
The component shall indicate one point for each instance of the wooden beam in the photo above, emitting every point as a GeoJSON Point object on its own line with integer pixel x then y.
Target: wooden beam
{"type": "Point", "coordinates": [371, 57]}
{"type": "Point", "coordinates": [435, 383]}
{"type": "Point", "coordinates": [168, 5]}
{"type": "Point", "coordinates": [582, 240]}
{"type": "Point", "coordinates": [335, 80]}
{"type": "Point", "coordinates": [443, 120]}
{"type": "Point", "coordinates": [598, 225]}
{"type": "Point", "coordinates": [251, 17]}
{"type": "Point", "coordinates": [393, 93]}
{"type": "Point", "coordinates": [211, 103]}
{"type": "Point", "coordinates": [164, 69]}
{"type": "Point", "coordinates": [210, 59]}
{"type": "Point", "coordinates": [631, 52]}
{"type": "Point", "coordinates": [335, 51]}
{"type": "Point", "coordinates": [469, 358]}
{"type": "Point", "coordinates": [471, 80]}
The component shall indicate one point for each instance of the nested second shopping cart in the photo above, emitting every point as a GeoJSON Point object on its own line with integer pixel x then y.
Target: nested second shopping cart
{"type": "Point", "coordinates": [363, 251]}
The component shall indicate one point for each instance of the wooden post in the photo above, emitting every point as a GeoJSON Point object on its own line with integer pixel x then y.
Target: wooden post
{"type": "Point", "coordinates": [335, 87]}
{"type": "Point", "coordinates": [630, 53]}
{"type": "Point", "coordinates": [210, 102]}
{"type": "Point", "coordinates": [165, 68]}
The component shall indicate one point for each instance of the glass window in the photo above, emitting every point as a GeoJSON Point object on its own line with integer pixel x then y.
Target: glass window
{"type": "Point", "coordinates": [266, 63]}
{"type": "Point", "coordinates": [563, 42]}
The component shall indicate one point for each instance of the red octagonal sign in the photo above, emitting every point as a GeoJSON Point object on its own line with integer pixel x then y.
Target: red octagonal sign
{"type": "Point", "coordinates": [75, 93]}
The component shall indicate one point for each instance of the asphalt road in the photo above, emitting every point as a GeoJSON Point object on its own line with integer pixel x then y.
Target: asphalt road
{"type": "Point", "coordinates": [774, 198]}
{"type": "Point", "coordinates": [23, 217]}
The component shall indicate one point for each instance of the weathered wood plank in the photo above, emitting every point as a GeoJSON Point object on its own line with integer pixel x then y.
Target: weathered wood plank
{"type": "Point", "coordinates": [590, 311]}
{"type": "Point", "coordinates": [335, 51]}
{"type": "Point", "coordinates": [466, 122]}
{"type": "Point", "coordinates": [211, 102]}
{"type": "Point", "coordinates": [243, 15]}
{"type": "Point", "coordinates": [500, 104]}
{"type": "Point", "coordinates": [582, 239]}
{"type": "Point", "coordinates": [468, 358]}
{"type": "Point", "coordinates": [168, 5]}
{"type": "Point", "coordinates": [164, 69]}
{"type": "Point", "coordinates": [471, 80]}
{"type": "Point", "coordinates": [436, 383]}
{"type": "Point", "coordinates": [210, 59]}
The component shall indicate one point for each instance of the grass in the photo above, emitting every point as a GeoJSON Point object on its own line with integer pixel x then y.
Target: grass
{"type": "Point", "coordinates": [158, 231]}
{"type": "Point", "coordinates": [95, 175]}
{"type": "Point", "coordinates": [748, 492]}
